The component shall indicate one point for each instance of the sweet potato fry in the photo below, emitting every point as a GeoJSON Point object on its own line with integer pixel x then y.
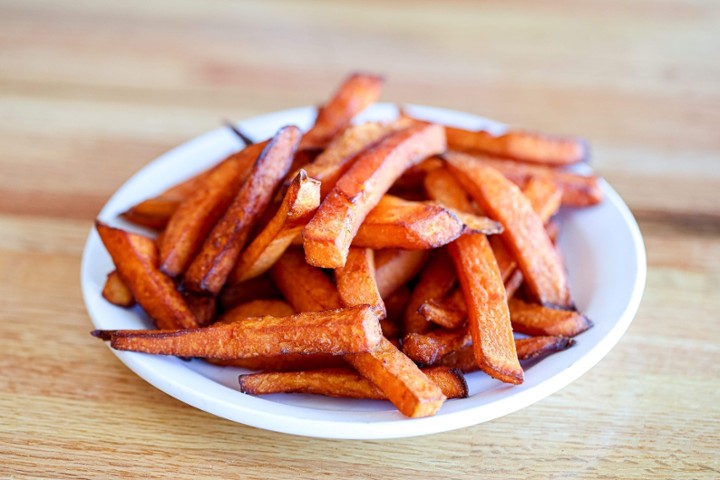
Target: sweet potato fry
{"type": "Point", "coordinates": [262, 287]}
{"type": "Point", "coordinates": [441, 186]}
{"type": "Point", "coordinates": [544, 195]}
{"type": "Point", "coordinates": [356, 281]}
{"type": "Point", "coordinates": [537, 347]}
{"type": "Point", "coordinates": [152, 213]}
{"type": "Point", "coordinates": [305, 287]}
{"type": "Point", "coordinates": [395, 305]}
{"type": "Point", "coordinates": [116, 292]}
{"type": "Point", "coordinates": [342, 383]}
{"type": "Point", "coordinates": [398, 223]}
{"type": "Point", "coordinates": [135, 257]}
{"type": "Point", "coordinates": [436, 280]}
{"type": "Point", "coordinates": [393, 268]}
{"type": "Point", "coordinates": [330, 165]}
{"type": "Point", "coordinates": [335, 332]}
{"type": "Point", "coordinates": [400, 380]}
{"type": "Point", "coordinates": [327, 237]}
{"type": "Point", "coordinates": [290, 362]}
{"type": "Point", "coordinates": [520, 145]}
{"type": "Point", "coordinates": [257, 308]}
{"type": "Point", "coordinates": [210, 269]}
{"type": "Point", "coordinates": [513, 283]}
{"type": "Point", "coordinates": [203, 308]}
{"type": "Point", "coordinates": [357, 92]}
{"type": "Point", "coordinates": [298, 205]}
{"type": "Point", "coordinates": [428, 348]}
{"type": "Point", "coordinates": [449, 312]}
{"type": "Point", "coordinates": [524, 232]}
{"type": "Point", "coordinates": [534, 319]}
{"type": "Point", "coordinates": [195, 217]}
{"type": "Point", "coordinates": [577, 190]}
{"type": "Point", "coordinates": [488, 316]}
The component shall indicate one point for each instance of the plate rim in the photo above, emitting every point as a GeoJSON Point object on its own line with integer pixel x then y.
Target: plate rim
{"type": "Point", "coordinates": [308, 425]}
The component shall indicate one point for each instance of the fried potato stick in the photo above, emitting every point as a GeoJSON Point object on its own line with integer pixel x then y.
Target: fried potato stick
{"type": "Point", "coordinates": [116, 292]}
{"type": "Point", "coordinates": [356, 281]}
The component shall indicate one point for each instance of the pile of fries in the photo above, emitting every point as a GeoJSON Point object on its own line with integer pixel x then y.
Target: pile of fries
{"type": "Point", "coordinates": [379, 260]}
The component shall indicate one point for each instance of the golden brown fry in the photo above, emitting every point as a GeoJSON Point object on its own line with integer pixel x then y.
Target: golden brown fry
{"type": "Point", "coordinates": [441, 186]}
{"type": "Point", "coordinates": [334, 161]}
{"type": "Point", "coordinates": [544, 195]}
{"type": "Point", "coordinates": [534, 319]}
{"type": "Point", "coordinates": [342, 383]}
{"type": "Point", "coordinates": [327, 237]}
{"type": "Point", "coordinates": [436, 280]}
{"type": "Point", "coordinates": [357, 92]}
{"type": "Point", "coordinates": [335, 332]}
{"type": "Point", "coordinates": [305, 287]}
{"type": "Point", "coordinates": [195, 217]}
{"type": "Point", "coordinates": [520, 145]}
{"type": "Point", "coordinates": [537, 347]}
{"type": "Point", "coordinates": [577, 190]}
{"type": "Point", "coordinates": [400, 380]}
{"type": "Point", "coordinates": [257, 308]}
{"type": "Point", "coordinates": [116, 292]}
{"type": "Point", "coordinates": [262, 287]}
{"type": "Point", "coordinates": [398, 223]}
{"type": "Point", "coordinates": [356, 281]}
{"type": "Point", "coordinates": [428, 348]}
{"type": "Point", "coordinates": [393, 268]}
{"type": "Point", "coordinates": [488, 316]}
{"type": "Point", "coordinates": [524, 232]}
{"type": "Point", "coordinates": [210, 269]}
{"type": "Point", "coordinates": [135, 258]}
{"type": "Point", "coordinates": [298, 206]}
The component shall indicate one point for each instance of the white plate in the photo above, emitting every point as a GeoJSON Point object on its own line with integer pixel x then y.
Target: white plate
{"type": "Point", "coordinates": [605, 259]}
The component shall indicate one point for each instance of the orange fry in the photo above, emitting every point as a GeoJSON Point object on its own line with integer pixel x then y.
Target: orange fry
{"type": "Point", "coordinates": [327, 237]}
{"type": "Point", "coordinates": [195, 217]}
{"type": "Point", "coordinates": [357, 92]}
{"type": "Point", "coordinates": [400, 380]}
{"type": "Point", "coordinates": [289, 362]}
{"type": "Point", "coordinates": [262, 287]}
{"type": "Point", "coordinates": [135, 258]}
{"type": "Point", "coordinates": [356, 281]}
{"type": "Point", "coordinates": [449, 312]}
{"type": "Point", "coordinates": [257, 308]}
{"type": "Point", "coordinates": [520, 145]}
{"type": "Point", "coordinates": [116, 292]}
{"type": "Point", "coordinates": [342, 383]}
{"type": "Point", "coordinates": [428, 348]}
{"type": "Point", "coordinates": [538, 320]}
{"type": "Point", "coordinates": [298, 205]}
{"type": "Point", "coordinates": [436, 280]}
{"type": "Point", "coordinates": [441, 186]}
{"type": "Point", "coordinates": [305, 287]}
{"type": "Point", "coordinates": [393, 268]}
{"type": "Point", "coordinates": [210, 269]}
{"type": "Point", "coordinates": [335, 332]}
{"type": "Point", "coordinates": [524, 232]}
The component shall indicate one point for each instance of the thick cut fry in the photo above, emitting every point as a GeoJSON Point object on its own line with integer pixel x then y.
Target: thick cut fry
{"type": "Point", "coordinates": [400, 380]}
{"type": "Point", "coordinates": [257, 308]}
{"type": "Point", "coordinates": [195, 217]}
{"type": "Point", "coordinates": [330, 165]}
{"type": "Point", "coordinates": [210, 269]}
{"type": "Point", "coordinates": [335, 332]}
{"type": "Point", "coordinates": [342, 383]}
{"type": "Point", "coordinates": [520, 145]}
{"type": "Point", "coordinates": [544, 195]}
{"type": "Point", "coordinates": [488, 316]}
{"type": "Point", "coordinates": [436, 280]}
{"type": "Point", "coordinates": [305, 287]}
{"type": "Point", "coordinates": [135, 258]}
{"type": "Point", "coordinates": [298, 205]}
{"type": "Point", "coordinates": [524, 232]}
{"type": "Point", "coordinates": [538, 320]}
{"type": "Point", "coordinates": [262, 287]}
{"type": "Point", "coordinates": [393, 268]}
{"type": "Point", "coordinates": [327, 237]}
{"type": "Point", "coordinates": [398, 223]}
{"type": "Point", "coordinates": [356, 281]}
{"type": "Point", "coordinates": [449, 312]}
{"type": "Point", "coordinates": [538, 347]}
{"type": "Point", "coordinates": [428, 348]}
{"type": "Point", "coordinates": [152, 213]}
{"type": "Point", "coordinates": [290, 362]}
{"type": "Point", "coordinates": [116, 292]}
{"type": "Point", "coordinates": [577, 190]}
{"type": "Point", "coordinates": [357, 92]}
{"type": "Point", "coordinates": [441, 186]}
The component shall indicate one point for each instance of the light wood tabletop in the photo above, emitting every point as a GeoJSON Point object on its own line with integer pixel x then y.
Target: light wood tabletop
{"type": "Point", "coordinates": [92, 91]}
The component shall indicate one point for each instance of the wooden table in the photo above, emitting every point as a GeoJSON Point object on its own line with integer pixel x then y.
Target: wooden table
{"type": "Point", "coordinates": [92, 91]}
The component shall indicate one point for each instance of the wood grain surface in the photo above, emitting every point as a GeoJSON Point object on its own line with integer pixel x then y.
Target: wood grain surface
{"type": "Point", "coordinates": [90, 91]}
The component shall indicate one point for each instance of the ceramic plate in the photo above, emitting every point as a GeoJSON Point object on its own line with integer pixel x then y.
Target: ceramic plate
{"type": "Point", "coordinates": [605, 260]}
